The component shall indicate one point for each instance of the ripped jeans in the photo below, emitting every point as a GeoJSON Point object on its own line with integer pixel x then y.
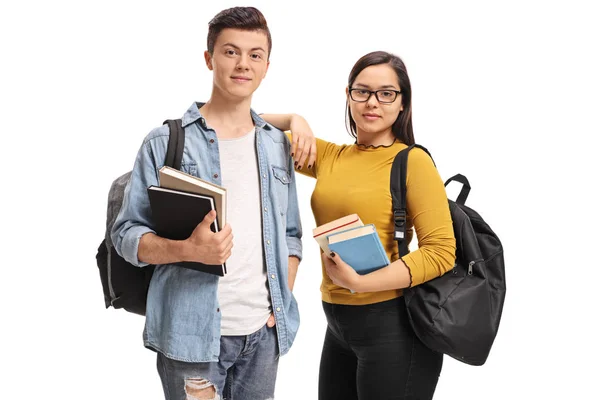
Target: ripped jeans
{"type": "Point", "coordinates": [246, 370]}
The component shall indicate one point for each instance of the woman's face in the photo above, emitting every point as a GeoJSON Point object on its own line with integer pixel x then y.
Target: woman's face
{"type": "Point", "coordinates": [374, 117]}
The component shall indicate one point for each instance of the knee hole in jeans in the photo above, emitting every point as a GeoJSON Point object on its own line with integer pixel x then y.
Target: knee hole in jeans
{"type": "Point", "coordinates": [200, 389]}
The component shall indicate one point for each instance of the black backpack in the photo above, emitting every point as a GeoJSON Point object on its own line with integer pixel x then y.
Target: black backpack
{"type": "Point", "coordinates": [458, 313]}
{"type": "Point", "coordinates": [126, 285]}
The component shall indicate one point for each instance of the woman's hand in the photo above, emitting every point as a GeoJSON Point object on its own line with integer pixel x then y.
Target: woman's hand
{"type": "Point", "coordinates": [304, 143]}
{"type": "Point", "coordinates": [341, 273]}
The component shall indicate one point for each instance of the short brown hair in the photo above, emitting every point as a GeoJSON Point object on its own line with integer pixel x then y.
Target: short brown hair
{"type": "Point", "coordinates": [243, 18]}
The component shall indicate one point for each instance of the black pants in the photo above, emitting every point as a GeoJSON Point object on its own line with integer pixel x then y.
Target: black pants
{"type": "Point", "coordinates": [371, 353]}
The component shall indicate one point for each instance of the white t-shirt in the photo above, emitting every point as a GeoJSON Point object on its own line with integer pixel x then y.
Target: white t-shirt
{"type": "Point", "coordinates": [243, 293]}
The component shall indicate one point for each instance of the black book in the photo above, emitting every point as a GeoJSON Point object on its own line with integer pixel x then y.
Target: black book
{"type": "Point", "coordinates": [176, 214]}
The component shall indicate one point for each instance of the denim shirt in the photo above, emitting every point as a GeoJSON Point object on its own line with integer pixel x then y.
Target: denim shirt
{"type": "Point", "coordinates": [183, 320]}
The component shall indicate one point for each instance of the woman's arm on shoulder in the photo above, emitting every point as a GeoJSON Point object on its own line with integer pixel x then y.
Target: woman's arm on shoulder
{"type": "Point", "coordinates": [307, 150]}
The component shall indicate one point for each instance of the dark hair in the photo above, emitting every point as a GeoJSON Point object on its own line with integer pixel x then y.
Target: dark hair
{"type": "Point", "coordinates": [402, 127]}
{"type": "Point", "coordinates": [243, 18]}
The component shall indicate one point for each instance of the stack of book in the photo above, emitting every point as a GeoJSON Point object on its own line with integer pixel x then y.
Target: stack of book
{"type": "Point", "coordinates": [356, 243]}
{"type": "Point", "coordinates": [180, 203]}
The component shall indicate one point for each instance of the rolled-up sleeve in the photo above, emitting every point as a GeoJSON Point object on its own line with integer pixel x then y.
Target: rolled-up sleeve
{"type": "Point", "coordinates": [134, 219]}
{"type": "Point", "coordinates": [427, 206]}
{"type": "Point", "coordinates": [293, 224]}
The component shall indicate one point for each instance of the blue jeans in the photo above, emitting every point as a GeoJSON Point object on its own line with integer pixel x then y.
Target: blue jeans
{"type": "Point", "coordinates": [371, 352]}
{"type": "Point", "coordinates": [246, 370]}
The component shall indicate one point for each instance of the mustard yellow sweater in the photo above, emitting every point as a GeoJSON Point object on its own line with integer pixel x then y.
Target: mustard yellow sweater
{"type": "Point", "coordinates": [356, 179]}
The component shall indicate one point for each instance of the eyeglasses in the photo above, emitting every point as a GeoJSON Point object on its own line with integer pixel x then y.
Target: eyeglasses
{"type": "Point", "coordinates": [384, 96]}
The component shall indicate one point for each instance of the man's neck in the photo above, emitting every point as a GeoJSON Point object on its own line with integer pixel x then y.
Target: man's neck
{"type": "Point", "coordinates": [230, 119]}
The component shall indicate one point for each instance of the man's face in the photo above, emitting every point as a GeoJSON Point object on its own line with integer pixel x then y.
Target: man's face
{"type": "Point", "coordinates": [239, 61]}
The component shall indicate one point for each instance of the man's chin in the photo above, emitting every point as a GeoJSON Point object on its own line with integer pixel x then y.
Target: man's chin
{"type": "Point", "coordinates": [241, 93]}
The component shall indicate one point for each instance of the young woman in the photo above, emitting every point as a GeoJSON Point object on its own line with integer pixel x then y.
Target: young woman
{"type": "Point", "coordinates": [370, 350]}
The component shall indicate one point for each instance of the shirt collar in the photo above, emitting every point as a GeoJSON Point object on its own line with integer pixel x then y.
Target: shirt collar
{"type": "Point", "coordinates": [193, 114]}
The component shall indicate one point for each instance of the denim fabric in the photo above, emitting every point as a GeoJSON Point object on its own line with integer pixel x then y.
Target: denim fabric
{"type": "Point", "coordinates": [182, 316]}
{"type": "Point", "coordinates": [371, 352]}
{"type": "Point", "coordinates": [246, 370]}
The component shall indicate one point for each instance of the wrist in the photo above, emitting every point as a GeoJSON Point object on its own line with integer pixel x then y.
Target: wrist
{"type": "Point", "coordinates": [358, 283]}
{"type": "Point", "coordinates": [181, 250]}
{"type": "Point", "coordinates": [295, 118]}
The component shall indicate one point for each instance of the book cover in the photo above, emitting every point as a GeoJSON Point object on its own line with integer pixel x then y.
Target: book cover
{"type": "Point", "coordinates": [176, 214]}
{"type": "Point", "coordinates": [360, 247]}
{"type": "Point", "coordinates": [347, 222]}
{"type": "Point", "coordinates": [171, 178]}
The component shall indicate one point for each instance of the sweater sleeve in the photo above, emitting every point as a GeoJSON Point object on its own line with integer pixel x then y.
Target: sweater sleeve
{"type": "Point", "coordinates": [427, 206]}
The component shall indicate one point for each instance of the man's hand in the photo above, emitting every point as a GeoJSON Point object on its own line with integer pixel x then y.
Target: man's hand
{"type": "Point", "coordinates": [304, 143]}
{"type": "Point", "coordinates": [208, 247]}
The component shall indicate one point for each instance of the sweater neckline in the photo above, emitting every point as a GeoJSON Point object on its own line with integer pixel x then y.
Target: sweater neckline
{"type": "Point", "coordinates": [370, 146]}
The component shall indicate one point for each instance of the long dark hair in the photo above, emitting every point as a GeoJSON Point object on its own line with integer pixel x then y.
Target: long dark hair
{"type": "Point", "coordinates": [402, 127]}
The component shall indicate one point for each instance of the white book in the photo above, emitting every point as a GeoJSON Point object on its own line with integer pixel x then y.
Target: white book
{"type": "Point", "coordinates": [321, 232]}
{"type": "Point", "coordinates": [172, 178]}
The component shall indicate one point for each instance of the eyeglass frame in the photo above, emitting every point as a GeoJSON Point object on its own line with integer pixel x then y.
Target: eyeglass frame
{"type": "Point", "coordinates": [374, 92]}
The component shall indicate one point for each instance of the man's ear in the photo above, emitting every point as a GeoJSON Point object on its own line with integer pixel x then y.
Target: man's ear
{"type": "Point", "coordinates": [208, 59]}
{"type": "Point", "coordinates": [268, 63]}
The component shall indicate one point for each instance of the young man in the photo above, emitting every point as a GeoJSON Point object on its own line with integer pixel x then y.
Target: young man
{"type": "Point", "coordinates": [222, 337]}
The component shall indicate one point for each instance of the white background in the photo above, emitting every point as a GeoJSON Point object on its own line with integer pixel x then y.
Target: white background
{"type": "Point", "coordinates": [504, 92]}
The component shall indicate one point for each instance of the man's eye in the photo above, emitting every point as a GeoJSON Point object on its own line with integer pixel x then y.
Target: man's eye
{"type": "Point", "coordinates": [256, 56]}
{"type": "Point", "coordinates": [230, 52]}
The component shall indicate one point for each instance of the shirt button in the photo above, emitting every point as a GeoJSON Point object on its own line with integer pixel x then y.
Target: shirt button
{"type": "Point", "coordinates": [264, 175]}
{"type": "Point", "coordinates": [278, 309]}
{"type": "Point", "coordinates": [218, 310]}
{"type": "Point", "coordinates": [273, 276]}
{"type": "Point", "coordinates": [212, 140]}
{"type": "Point", "coordinates": [265, 209]}
{"type": "Point", "coordinates": [215, 176]}
{"type": "Point", "coordinates": [268, 242]}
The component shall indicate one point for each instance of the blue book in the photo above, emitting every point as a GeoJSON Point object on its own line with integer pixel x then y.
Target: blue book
{"type": "Point", "coordinates": [360, 248]}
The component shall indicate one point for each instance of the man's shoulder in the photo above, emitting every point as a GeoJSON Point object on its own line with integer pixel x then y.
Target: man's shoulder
{"type": "Point", "coordinates": [277, 135]}
{"type": "Point", "coordinates": [156, 133]}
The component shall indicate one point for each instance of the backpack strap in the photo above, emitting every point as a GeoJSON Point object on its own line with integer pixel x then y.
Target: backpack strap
{"type": "Point", "coordinates": [464, 192]}
{"type": "Point", "coordinates": [176, 142]}
{"type": "Point", "coordinates": [398, 191]}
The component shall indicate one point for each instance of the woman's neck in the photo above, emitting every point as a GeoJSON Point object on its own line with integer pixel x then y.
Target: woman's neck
{"type": "Point", "coordinates": [375, 139]}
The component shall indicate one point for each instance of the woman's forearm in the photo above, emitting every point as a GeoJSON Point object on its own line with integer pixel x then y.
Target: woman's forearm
{"type": "Point", "coordinates": [280, 121]}
{"type": "Point", "coordinates": [394, 276]}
